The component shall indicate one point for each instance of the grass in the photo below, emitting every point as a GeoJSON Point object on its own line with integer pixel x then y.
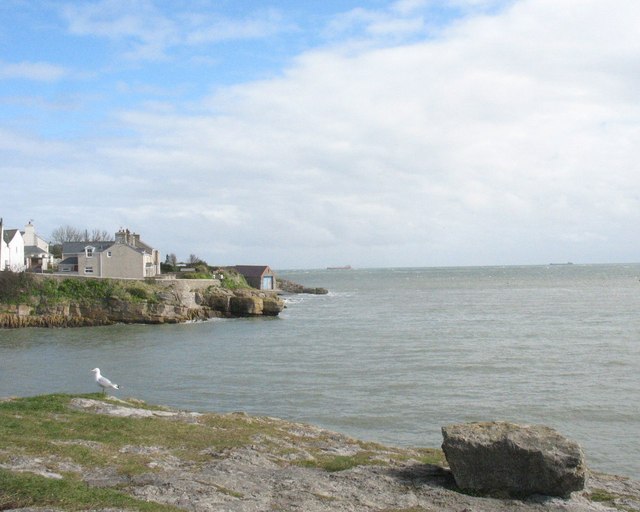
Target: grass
{"type": "Point", "coordinates": [21, 490]}
{"type": "Point", "coordinates": [46, 425]}
{"type": "Point", "coordinates": [47, 428]}
{"type": "Point", "coordinates": [602, 496]}
{"type": "Point", "coordinates": [232, 280]}
{"type": "Point", "coordinates": [607, 498]}
{"type": "Point", "coordinates": [370, 455]}
{"type": "Point", "coordinates": [75, 289]}
{"type": "Point", "coordinates": [333, 463]}
{"type": "Point", "coordinates": [229, 279]}
{"type": "Point", "coordinates": [23, 288]}
{"type": "Point", "coordinates": [142, 293]}
{"type": "Point", "coordinates": [15, 287]}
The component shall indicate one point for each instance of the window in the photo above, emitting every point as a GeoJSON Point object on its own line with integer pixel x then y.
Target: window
{"type": "Point", "coordinates": [88, 252]}
{"type": "Point", "coordinates": [108, 254]}
{"type": "Point", "coordinates": [88, 270]}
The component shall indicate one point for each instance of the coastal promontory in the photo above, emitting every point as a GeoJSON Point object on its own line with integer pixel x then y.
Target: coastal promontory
{"type": "Point", "coordinates": [31, 300]}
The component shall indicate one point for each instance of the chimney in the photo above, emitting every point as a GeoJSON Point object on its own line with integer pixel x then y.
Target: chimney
{"type": "Point", "coordinates": [29, 234]}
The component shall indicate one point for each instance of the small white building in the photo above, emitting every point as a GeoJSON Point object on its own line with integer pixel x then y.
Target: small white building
{"type": "Point", "coordinates": [36, 250]}
{"type": "Point", "coordinates": [11, 249]}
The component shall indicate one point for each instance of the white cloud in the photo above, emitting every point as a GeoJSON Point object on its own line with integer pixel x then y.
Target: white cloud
{"type": "Point", "coordinates": [408, 6]}
{"type": "Point", "coordinates": [37, 71]}
{"type": "Point", "coordinates": [509, 138]}
{"type": "Point", "coordinates": [399, 22]}
{"type": "Point", "coordinates": [149, 33]}
{"type": "Point", "coordinates": [146, 31]}
{"type": "Point", "coordinates": [212, 29]}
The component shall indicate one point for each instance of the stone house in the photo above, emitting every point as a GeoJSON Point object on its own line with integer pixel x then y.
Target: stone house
{"type": "Point", "coordinates": [11, 249]}
{"type": "Point", "coordinates": [127, 257]}
{"type": "Point", "coordinates": [258, 276]}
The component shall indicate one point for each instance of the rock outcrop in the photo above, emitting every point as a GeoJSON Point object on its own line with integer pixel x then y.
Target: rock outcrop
{"type": "Point", "coordinates": [290, 287]}
{"type": "Point", "coordinates": [240, 463]}
{"type": "Point", "coordinates": [520, 460]}
{"type": "Point", "coordinates": [174, 301]}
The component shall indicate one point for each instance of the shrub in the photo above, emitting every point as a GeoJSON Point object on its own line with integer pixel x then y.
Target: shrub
{"type": "Point", "coordinates": [195, 275]}
{"type": "Point", "coordinates": [232, 280]}
{"type": "Point", "coordinates": [138, 293]}
{"type": "Point", "coordinates": [142, 294]}
{"type": "Point", "coordinates": [15, 287]}
{"type": "Point", "coordinates": [89, 289]}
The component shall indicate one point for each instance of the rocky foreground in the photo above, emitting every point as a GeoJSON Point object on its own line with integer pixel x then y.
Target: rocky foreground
{"type": "Point", "coordinates": [234, 462]}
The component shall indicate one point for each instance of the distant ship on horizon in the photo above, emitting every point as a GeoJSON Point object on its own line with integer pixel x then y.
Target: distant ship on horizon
{"type": "Point", "coordinates": [345, 267]}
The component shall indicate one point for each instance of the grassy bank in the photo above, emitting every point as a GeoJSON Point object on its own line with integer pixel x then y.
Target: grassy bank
{"type": "Point", "coordinates": [50, 447]}
{"type": "Point", "coordinates": [23, 288]}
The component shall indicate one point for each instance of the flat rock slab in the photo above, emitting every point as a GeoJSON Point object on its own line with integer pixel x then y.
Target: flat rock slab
{"type": "Point", "coordinates": [268, 472]}
{"type": "Point", "coordinates": [520, 460]}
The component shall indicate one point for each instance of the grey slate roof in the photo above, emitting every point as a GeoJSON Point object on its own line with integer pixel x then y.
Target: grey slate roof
{"type": "Point", "coordinates": [32, 250]}
{"type": "Point", "coordinates": [78, 247]}
{"type": "Point", "coordinates": [8, 234]}
{"type": "Point", "coordinates": [251, 270]}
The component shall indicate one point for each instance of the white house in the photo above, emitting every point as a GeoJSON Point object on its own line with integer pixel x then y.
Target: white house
{"type": "Point", "coordinates": [36, 250]}
{"type": "Point", "coordinates": [11, 249]}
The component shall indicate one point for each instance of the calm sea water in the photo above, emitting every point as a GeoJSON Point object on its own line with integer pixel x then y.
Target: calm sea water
{"type": "Point", "coordinates": [390, 355]}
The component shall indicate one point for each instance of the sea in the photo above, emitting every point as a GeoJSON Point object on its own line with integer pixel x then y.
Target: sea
{"type": "Point", "coordinates": [388, 355]}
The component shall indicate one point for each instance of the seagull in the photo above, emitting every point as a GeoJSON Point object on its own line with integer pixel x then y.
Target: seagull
{"type": "Point", "coordinates": [103, 382]}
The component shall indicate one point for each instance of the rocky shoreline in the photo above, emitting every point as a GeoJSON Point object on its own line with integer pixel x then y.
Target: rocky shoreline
{"type": "Point", "coordinates": [288, 286]}
{"type": "Point", "coordinates": [239, 463]}
{"type": "Point", "coordinates": [174, 301]}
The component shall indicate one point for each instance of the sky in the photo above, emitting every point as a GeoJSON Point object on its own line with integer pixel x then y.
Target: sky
{"type": "Point", "coordinates": [373, 133]}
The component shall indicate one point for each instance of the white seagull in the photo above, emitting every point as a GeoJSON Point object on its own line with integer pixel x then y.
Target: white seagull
{"type": "Point", "coordinates": [103, 382]}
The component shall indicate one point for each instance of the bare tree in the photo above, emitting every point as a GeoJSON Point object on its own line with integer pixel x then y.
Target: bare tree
{"type": "Point", "coordinates": [172, 259]}
{"type": "Point", "coordinates": [193, 259]}
{"type": "Point", "coordinates": [72, 234]}
{"type": "Point", "coordinates": [66, 234]}
{"type": "Point", "coordinates": [99, 235]}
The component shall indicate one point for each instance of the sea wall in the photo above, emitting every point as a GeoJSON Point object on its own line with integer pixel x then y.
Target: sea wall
{"type": "Point", "coordinates": [174, 301]}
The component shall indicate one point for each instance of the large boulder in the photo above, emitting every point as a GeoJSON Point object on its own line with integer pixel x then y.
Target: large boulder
{"type": "Point", "coordinates": [519, 460]}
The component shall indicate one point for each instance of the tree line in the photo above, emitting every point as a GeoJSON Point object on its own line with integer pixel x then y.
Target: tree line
{"type": "Point", "coordinates": [72, 234]}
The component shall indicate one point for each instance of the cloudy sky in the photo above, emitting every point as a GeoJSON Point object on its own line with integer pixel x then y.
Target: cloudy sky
{"type": "Point", "coordinates": [309, 134]}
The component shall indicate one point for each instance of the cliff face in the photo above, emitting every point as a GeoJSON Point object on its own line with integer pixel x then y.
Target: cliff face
{"type": "Point", "coordinates": [173, 302]}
